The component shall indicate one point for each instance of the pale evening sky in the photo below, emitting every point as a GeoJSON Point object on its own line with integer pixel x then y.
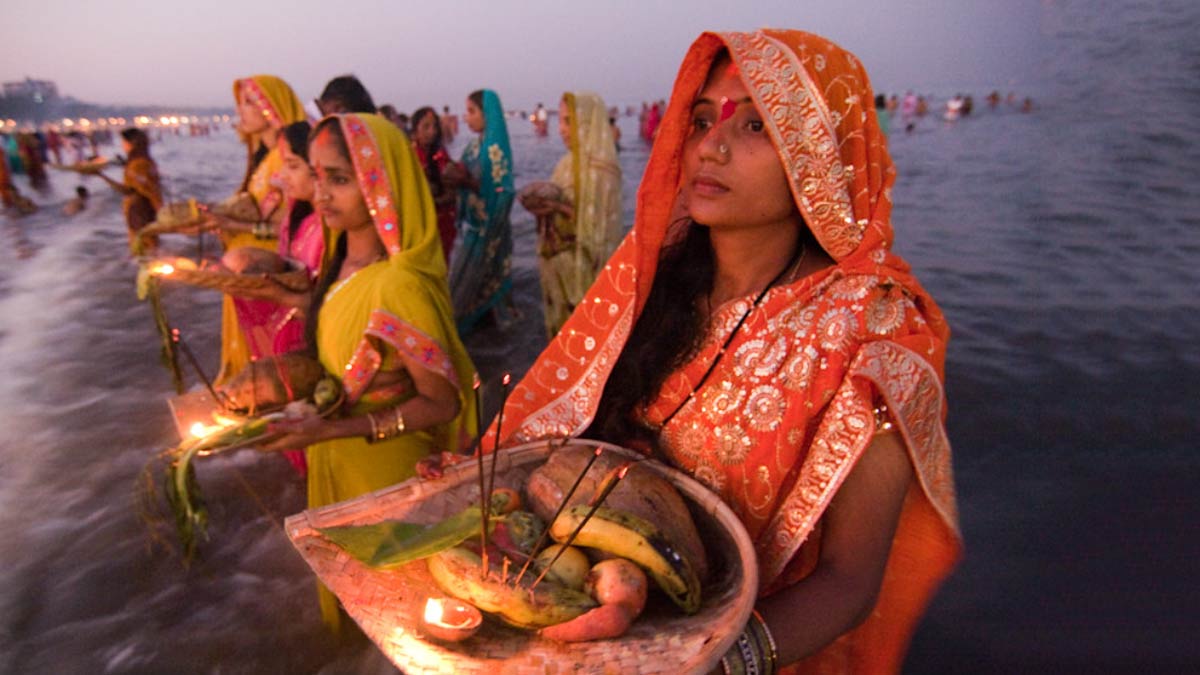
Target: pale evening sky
{"type": "Point", "coordinates": [435, 52]}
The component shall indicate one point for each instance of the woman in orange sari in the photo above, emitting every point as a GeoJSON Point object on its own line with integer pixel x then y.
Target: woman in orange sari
{"type": "Point", "coordinates": [265, 105]}
{"type": "Point", "coordinates": [756, 331]}
{"type": "Point", "coordinates": [142, 188]}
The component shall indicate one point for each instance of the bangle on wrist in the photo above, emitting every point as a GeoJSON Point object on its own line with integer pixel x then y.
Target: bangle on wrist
{"type": "Point", "coordinates": [386, 424]}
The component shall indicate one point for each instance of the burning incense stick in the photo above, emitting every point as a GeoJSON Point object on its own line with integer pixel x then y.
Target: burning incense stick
{"type": "Point", "coordinates": [187, 351]}
{"type": "Point", "coordinates": [483, 495]}
{"type": "Point", "coordinates": [610, 483]}
{"type": "Point", "coordinates": [496, 441]}
{"type": "Point", "coordinates": [561, 505]}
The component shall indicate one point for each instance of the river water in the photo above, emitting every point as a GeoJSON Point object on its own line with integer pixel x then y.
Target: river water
{"type": "Point", "coordinates": [1060, 244]}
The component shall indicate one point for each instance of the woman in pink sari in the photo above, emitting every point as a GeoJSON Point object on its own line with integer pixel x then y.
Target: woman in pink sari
{"type": "Point", "coordinates": [273, 321]}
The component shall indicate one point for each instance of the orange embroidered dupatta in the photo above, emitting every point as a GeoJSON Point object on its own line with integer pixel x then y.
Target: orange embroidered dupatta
{"type": "Point", "coordinates": [787, 412]}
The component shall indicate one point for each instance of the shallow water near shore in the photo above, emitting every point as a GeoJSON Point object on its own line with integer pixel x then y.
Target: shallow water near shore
{"type": "Point", "coordinates": [1060, 244]}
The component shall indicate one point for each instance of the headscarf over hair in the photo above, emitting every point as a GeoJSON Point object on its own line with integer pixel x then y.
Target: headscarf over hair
{"type": "Point", "coordinates": [279, 106]}
{"type": "Point", "coordinates": [805, 370]}
{"type": "Point", "coordinates": [496, 177]}
{"type": "Point", "coordinates": [597, 184]}
{"type": "Point", "coordinates": [397, 196]}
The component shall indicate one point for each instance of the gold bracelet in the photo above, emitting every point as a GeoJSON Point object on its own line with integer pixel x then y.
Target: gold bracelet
{"type": "Point", "coordinates": [771, 654]}
{"type": "Point", "coordinates": [882, 421]}
{"type": "Point", "coordinates": [374, 436]}
{"type": "Point", "coordinates": [397, 422]}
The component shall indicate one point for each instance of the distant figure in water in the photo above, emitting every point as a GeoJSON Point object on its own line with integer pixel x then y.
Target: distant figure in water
{"type": "Point", "coordinates": [953, 108]}
{"type": "Point", "coordinates": [968, 105]}
{"type": "Point", "coordinates": [10, 196]}
{"type": "Point", "coordinates": [881, 112]}
{"type": "Point", "coordinates": [141, 187]}
{"type": "Point", "coordinates": [922, 106]}
{"type": "Point", "coordinates": [1027, 105]}
{"type": "Point", "coordinates": [77, 204]}
{"type": "Point", "coordinates": [540, 119]}
{"type": "Point", "coordinates": [993, 99]}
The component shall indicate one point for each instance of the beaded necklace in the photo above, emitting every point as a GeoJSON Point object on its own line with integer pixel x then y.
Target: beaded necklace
{"type": "Point", "coordinates": [794, 264]}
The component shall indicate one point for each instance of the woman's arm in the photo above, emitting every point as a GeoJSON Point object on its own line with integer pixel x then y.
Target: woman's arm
{"type": "Point", "coordinates": [436, 403]}
{"type": "Point", "coordinates": [119, 187]}
{"type": "Point", "coordinates": [856, 539]}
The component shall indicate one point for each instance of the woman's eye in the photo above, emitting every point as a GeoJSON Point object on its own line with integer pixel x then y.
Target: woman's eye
{"type": "Point", "coordinates": [701, 123]}
{"type": "Point", "coordinates": [755, 126]}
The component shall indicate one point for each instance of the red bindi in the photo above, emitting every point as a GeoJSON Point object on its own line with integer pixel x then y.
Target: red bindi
{"type": "Point", "coordinates": [727, 108]}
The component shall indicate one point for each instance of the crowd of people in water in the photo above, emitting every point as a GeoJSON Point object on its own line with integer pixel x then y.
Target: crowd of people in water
{"type": "Point", "coordinates": [907, 111]}
{"type": "Point", "coordinates": [754, 329]}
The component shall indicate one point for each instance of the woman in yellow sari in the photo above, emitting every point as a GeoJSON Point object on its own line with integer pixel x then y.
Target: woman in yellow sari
{"type": "Point", "coordinates": [265, 105]}
{"type": "Point", "coordinates": [578, 230]}
{"type": "Point", "coordinates": [756, 331]}
{"type": "Point", "coordinates": [381, 320]}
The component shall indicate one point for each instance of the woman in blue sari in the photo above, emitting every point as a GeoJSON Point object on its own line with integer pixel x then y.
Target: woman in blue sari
{"type": "Point", "coordinates": [481, 269]}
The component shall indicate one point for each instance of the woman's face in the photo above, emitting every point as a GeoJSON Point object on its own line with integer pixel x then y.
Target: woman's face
{"type": "Point", "coordinates": [732, 175]}
{"type": "Point", "coordinates": [297, 174]}
{"type": "Point", "coordinates": [337, 196]}
{"type": "Point", "coordinates": [126, 146]}
{"type": "Point", "coordinates": [252, 121]}
{"type": "Point", "coordinates": [474, 117]}
{"type": "Point", "coordinates": [564, 122]}
{"type": "Point", "coordinates": [426, 131]}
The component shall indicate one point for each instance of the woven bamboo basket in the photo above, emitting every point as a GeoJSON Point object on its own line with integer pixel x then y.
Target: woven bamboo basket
{"type": "Point", "coordinates": [185, 216]}
{"type": "Point", "coordinates": [295, 279]}
{"type": "Point", "coordinates": [388, 604]}
{"type": "Point", "coordinates": [86, 167]}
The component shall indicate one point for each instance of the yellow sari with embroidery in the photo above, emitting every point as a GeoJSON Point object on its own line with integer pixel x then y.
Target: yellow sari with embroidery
{"type": "Point", "coordinates": [398, 305]}
{"type": "Point", "coordinates": [572, 251]}
{"type": "Point", "coordinates": [280, 107]}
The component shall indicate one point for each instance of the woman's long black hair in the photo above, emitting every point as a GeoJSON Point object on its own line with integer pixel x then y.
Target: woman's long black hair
{"type": "Point", "coordinates": [296, 136]}
{"type": "Point", "coordinates": [432, 173]}
{"type": "Point", "coordinates": [331, 271]}
{"type": "Point", "coordinates": [668, 332]}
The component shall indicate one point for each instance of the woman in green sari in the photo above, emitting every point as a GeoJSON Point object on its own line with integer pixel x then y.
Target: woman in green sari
{"type": "Point", "coordinates": [481, 269]}
{"type": "Point", "coordinates": [381, 321]}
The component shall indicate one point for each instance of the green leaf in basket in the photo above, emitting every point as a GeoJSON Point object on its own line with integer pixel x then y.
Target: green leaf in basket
{"type": "Point", "coordinates": [393, 543]}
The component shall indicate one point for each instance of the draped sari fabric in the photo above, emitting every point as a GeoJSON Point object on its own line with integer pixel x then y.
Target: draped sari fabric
{"type": "Point", "coordinates": [400, 305]}
{"type": "Point", "coordinates": [787, 411]}
{"type": "Point", "coordinates": [141, 205]}
{"type": "Point", "coordinates": [572, 251]}
{"type": "Point", "coordinates": [280, 107]}
{"type": "Point", "coordinates": [481, 265]}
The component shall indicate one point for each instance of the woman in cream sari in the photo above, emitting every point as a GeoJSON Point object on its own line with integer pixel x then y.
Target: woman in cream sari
{"type": "Point", "coordinates": [756, 331]}
{"type": "Point", "coordinates": [578, 230]}
{"type": "Point", "coordinates": [381, 320]}
{"type": "Point", "coordinates": [265, 105]}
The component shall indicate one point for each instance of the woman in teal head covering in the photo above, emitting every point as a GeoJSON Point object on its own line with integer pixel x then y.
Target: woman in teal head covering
{"type": "Point", "coordinates": [481, 270]}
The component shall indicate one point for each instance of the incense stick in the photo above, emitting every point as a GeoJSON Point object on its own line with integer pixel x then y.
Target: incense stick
{"type": "Point", "coordinates": [483, 496]}
{"type": "Point", "coordinates": [496, 441]}
{"type": "Point", "coordinates": [611, 483]}
{"type": "Point", "coordinates": [561, 505]}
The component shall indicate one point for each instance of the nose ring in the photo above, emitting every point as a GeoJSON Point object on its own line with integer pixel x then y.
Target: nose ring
{"type": "Point", "coordinates": [723, 149]}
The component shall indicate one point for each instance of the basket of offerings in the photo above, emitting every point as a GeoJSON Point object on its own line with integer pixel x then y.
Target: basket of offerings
{"type": "Point", "coordinates": [616, 509]}
{"type": "Point", "coordinates": [244, 270]}
{"type": "Point", "coordinates": [540, 193]}
{"type": "Point", "coordinates": [186, 215]}
{"type": "Point", "coordinates": [87, 166]}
